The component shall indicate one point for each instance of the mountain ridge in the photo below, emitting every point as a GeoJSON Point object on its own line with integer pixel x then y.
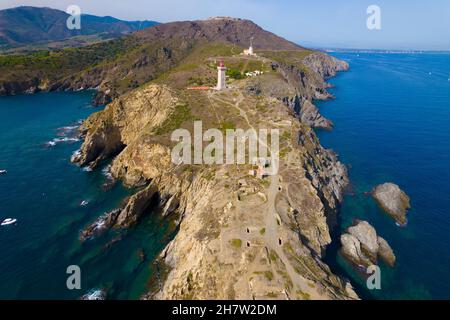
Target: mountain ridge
{"type": "Point", "coordinates": [27, 25]}
{"type": "Point", "coordinates": [114, 67]}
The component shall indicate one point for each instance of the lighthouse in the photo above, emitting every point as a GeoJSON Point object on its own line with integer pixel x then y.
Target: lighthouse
{"type": "Point", "coordinates": [221, 80]}
{"type": "Point", "coordinates": [250, 49]}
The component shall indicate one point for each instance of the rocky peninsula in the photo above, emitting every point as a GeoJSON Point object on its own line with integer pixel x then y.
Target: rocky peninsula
{"type": "Point", "coordinates": [239, 236]}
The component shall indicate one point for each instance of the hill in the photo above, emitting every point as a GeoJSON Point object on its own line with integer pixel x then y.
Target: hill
{"type": "Point", "coordinates": [31, 25]}
{"type": "Point", "coordinates": [117, 66]}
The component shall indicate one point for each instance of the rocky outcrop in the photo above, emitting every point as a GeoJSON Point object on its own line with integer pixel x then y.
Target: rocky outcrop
{"type": "Point", "coordinates": [326, 66]}
{"type": "Point", "coordinates": [362, 246]}
{"type": "Point", "coordinates": [127, 118]}
{"type": "Point", "coordinates": [310, 115]}
{"type": "Point", "coordinates": [303, 83]}
{"type": "Point", "coordinates": [385, 252]}
{"type": "Point", "coordinates": [393, 200]}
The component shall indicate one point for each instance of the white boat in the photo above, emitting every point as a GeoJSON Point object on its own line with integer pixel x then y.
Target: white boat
{"type": "Point", "coordinates": [84, 203]}
{"type": "Point", "coordinates": [3, 172]}
{"type": "Point", "coordinates": [8, 221]}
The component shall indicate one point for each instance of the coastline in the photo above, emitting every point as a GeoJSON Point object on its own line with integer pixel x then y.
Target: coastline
{"type": "Point", "coordinates": [240, 237]}
{"type": "Point", "coordinates": [319, 166]}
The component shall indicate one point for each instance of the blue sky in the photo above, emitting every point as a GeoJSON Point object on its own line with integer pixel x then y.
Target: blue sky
{"type": "Point", "coordinates": [405, 24]}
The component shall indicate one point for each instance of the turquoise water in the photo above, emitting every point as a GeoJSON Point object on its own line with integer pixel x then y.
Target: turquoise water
{"type": "Point", "coordinates": [43, 191]}
{"type": "Point", "coordinates": [392, 123]}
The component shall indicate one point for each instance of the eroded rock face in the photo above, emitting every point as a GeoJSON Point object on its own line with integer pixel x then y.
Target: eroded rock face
{"type": "Point", "coordinates": [362, 246]}
{"type": "Point", "coordinates": [325, 65]}
{"type": "Point", "coordinates": [385, 252]}
{"type": "Point", "coordinates": [310, 115]}
{"type": "Point", "coordinates": [367, 237]}
{"type": "Point", "coordinates": [392, 200]}
{"type": "Point", "coordinates": [108, 132]}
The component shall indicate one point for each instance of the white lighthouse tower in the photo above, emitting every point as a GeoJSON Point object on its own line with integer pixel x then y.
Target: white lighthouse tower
{"type": "Point", "coordinates": [250, 49]}
{"type": "Point", "coordinates": [221, 78]}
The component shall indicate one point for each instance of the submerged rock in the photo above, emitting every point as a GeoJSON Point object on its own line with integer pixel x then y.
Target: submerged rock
{"type": "Point", "coordinates": [393, 200]}
{"type": "Point", "coordinates": [100, 226]}
{"type": "Point", "coordinates": [362, 246]}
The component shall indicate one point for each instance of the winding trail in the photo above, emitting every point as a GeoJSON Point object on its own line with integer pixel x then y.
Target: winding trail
{"type": "Point", "coordinates": [270, 215]}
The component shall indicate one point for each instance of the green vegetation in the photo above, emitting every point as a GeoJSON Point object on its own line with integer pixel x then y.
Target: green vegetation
{"type": "Point", "coordinates": [226, 125]}
{"type": "Point", "coordinates": [262, 231]}
{"type": "Point", "coordinates": [268, 275]}
{"type": "Point", "coordinates": [290, 57]}
{"type": "Point", "coordinates": [181, 114]}
{"type": "Point", "coordinates": [72, 58]}
{"type": "Point", "coordinates": [210, 175]}
{"type": "Point", "coordinates": [303, 295]}
{"type": "Point", "coordinates": [273, 256]}
{"type": "Point", "coordinates": [234, 74]}
{"type": "Point", "coordinates": [237, 243]}
{"type": "Point", "coordinates": [284, 152]}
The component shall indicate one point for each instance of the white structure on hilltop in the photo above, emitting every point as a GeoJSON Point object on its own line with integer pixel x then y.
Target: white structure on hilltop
{"type": "Point", "coordinates": [221, 77]}
{"type": "Point", "coordinates": [249, 51]}
{"type": "Point", "coordinates": [254, 73]}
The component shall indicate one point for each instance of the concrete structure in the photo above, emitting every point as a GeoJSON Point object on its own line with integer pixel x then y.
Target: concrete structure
{"type": "Point", "coordinates": [221, 77]}
{"type": "Point", "coordinates": [254, 73]}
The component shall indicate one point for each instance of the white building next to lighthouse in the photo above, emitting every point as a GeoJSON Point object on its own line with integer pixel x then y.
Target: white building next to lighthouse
{"type": "Point", "coordinates": [221, 76]}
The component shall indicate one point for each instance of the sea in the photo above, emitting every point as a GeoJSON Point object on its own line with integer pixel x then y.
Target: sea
{"type": "Point", "coordinates": [53, 200]}
{"type": "Point", "coordinates": [392, 124]}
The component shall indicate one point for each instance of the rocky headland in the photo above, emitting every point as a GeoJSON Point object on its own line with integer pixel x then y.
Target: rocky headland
{"type": "Point", "coordinates": [239, 236]}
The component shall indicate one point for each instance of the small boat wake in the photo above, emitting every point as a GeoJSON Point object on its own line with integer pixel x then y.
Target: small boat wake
{"type": "Point", "coordinates": [66, 134]}
{"type": "Point", "coordinates": [8, 221]}
{"type": "Point", "coordinates": [56, 141]}
{"type": "Point", "coordinates": [106, 171]}
{"type": "Point", "coordinates": [84, 203]}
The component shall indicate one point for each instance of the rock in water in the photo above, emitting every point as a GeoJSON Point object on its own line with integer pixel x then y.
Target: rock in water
{"type": "Point", "coordinates": [94, 294]}
{"type": "Point", "coordinates": [392, 200]}
{"type": "Point", "coordinates": [367, 237]}
{"type": "Point", "coordinates": [385, 252]}
{"type": "Point", "coordinates": [362, 246]}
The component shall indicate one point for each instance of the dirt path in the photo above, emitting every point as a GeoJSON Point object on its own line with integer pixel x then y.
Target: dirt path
{"type": "Point", "coordinates": [270, 216]}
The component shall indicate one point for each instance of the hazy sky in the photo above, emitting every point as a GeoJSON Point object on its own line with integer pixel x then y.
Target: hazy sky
{"type": "Point", "coordinates": [405, 24]}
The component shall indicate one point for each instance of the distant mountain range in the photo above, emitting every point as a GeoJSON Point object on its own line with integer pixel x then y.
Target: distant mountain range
{"type": "Point", "coordinates": [31, 25]}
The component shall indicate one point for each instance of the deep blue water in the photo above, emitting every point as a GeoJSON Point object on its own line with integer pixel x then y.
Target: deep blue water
{"type": "Point", "coordinates": [43, 190]}
{"type": "Point", "coordinates": [392, 123]}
